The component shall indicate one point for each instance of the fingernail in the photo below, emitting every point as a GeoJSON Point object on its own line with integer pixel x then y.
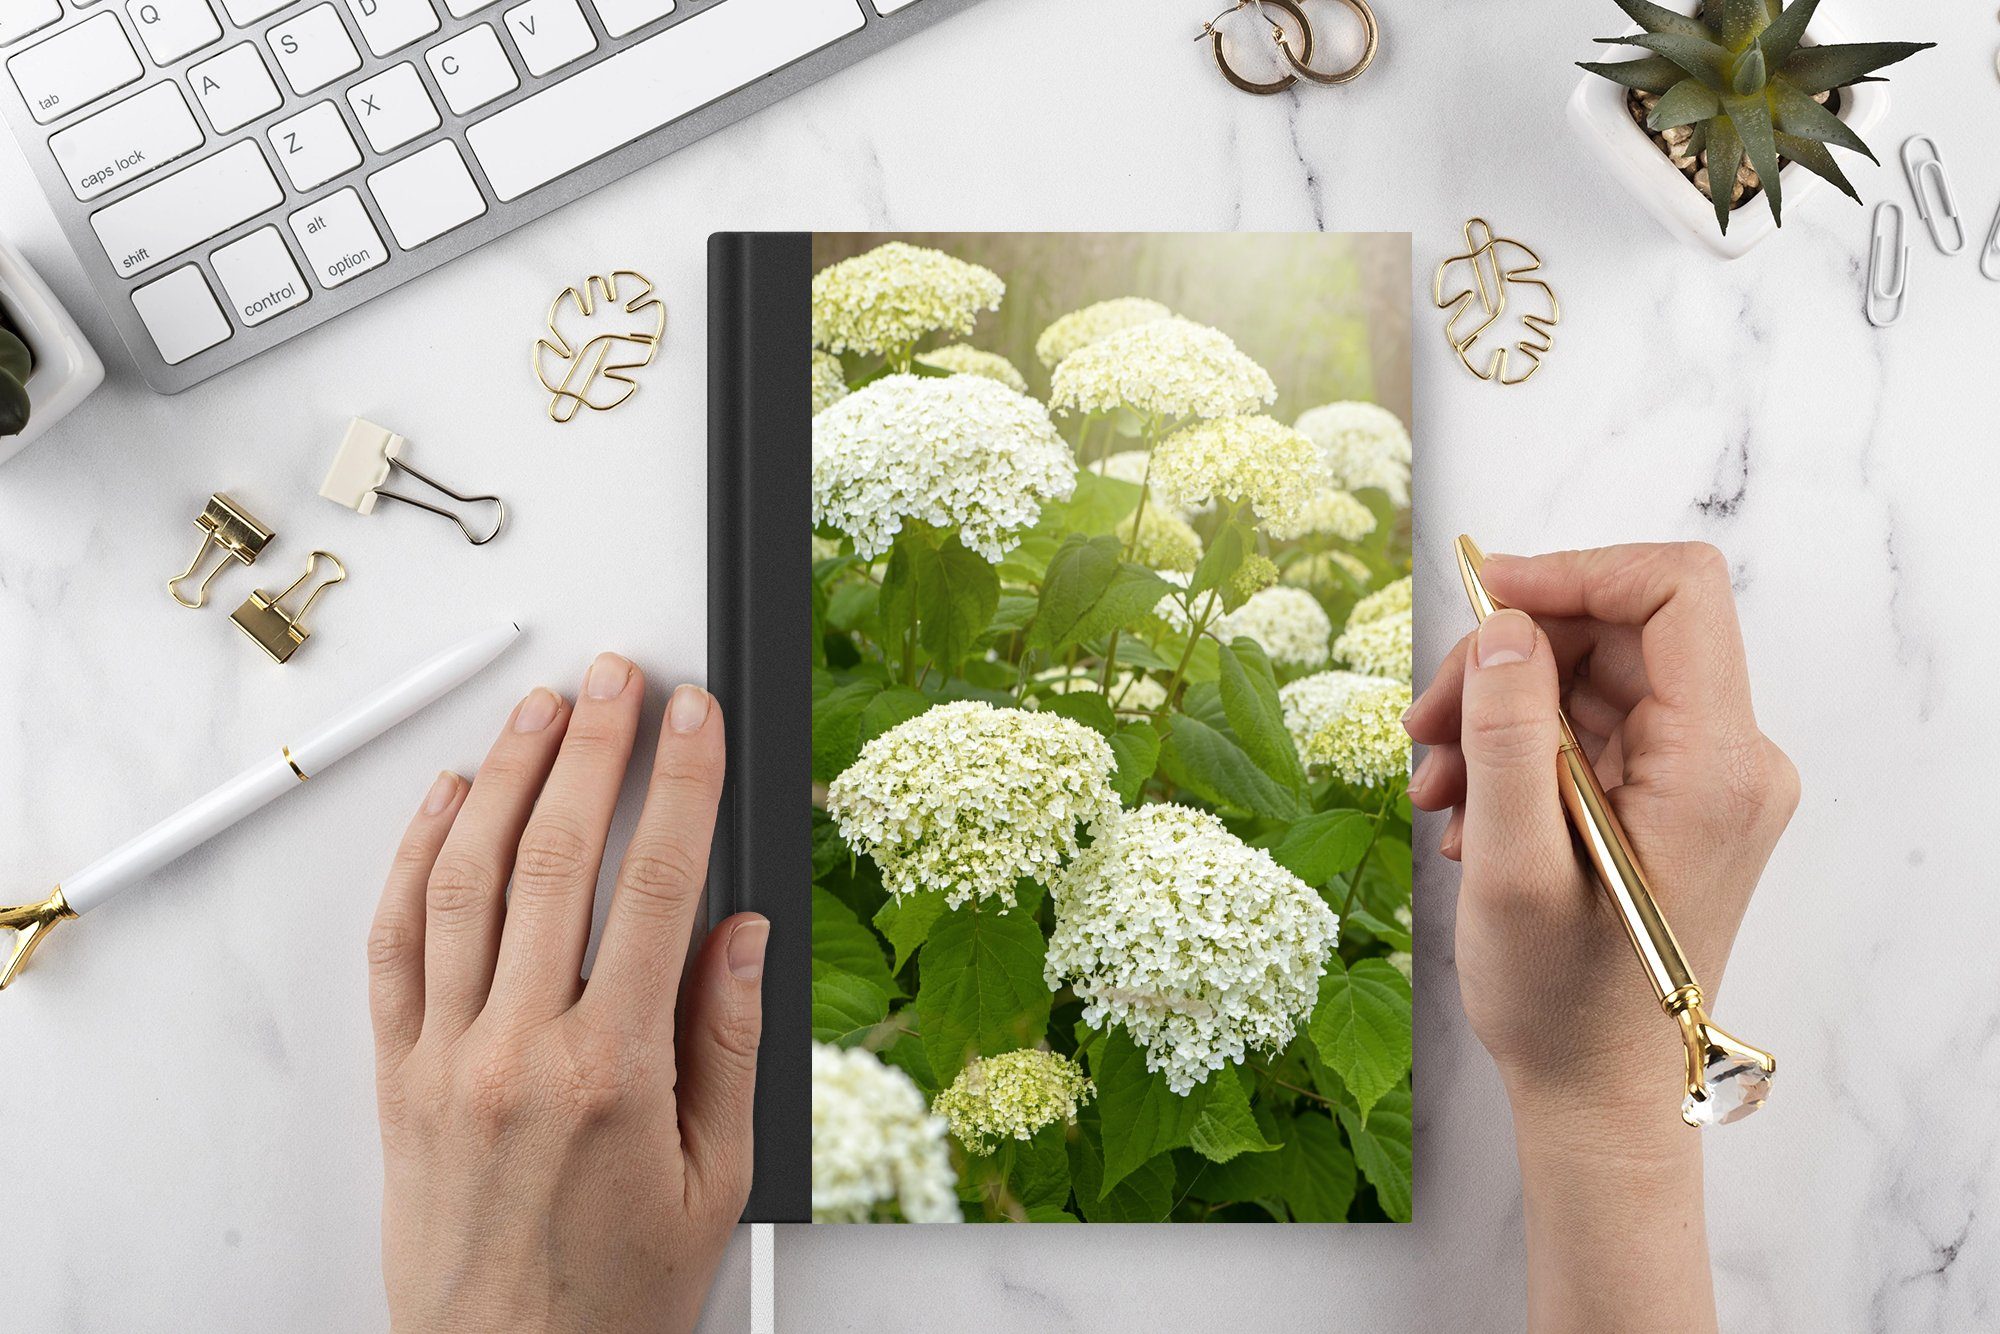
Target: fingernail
{"type": "Point", "coordinates": [688, 709]}
{"type": "Point", "coordinates": [442, 791]}
{"type": "Point", "coordinates": [1448, 845]}
{"type": "Point", "coordinates": [1424, 766]}
{"type": "Point", "coordinates": [746, 946]}
{"type": "Point", "coordinates": [608, 675]}
{"type": "Point", "coordinates": [1504, 637]}
{"type": "Point", "coordinates": [537, 711]}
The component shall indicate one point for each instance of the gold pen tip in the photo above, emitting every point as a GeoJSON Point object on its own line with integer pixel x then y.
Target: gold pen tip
{"type": "Point", "coordinates": [1470, 561]}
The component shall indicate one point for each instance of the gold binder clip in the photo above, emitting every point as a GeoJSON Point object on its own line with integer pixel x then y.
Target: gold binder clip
{"type": "Point", "coordinates": [277, 631]}
{"type": "Point", "coordinates": [227, 525]}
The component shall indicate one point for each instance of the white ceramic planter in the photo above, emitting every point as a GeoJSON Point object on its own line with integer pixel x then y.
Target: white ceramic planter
{"type": "Point", "coordinates": [1597, 112]}
{"type": "Point", "coordinates": [66, 369]}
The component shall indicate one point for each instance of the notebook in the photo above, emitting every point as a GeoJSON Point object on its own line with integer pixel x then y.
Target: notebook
{"type": "Point", "coordinates": [1060, 603]}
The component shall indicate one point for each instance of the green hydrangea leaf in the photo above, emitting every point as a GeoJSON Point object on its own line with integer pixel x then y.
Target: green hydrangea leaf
{"type": "Point", "coordinates": [1133, 591]}
{"type": "Point", "coordinates": [1085, 706]}
{"type": "Point", "coordinates": [1207, 763]}
{"type": "Point", "coordinates": [906, 922]}
{"type": "Point", "coordinates": [1137, 747]}
{"type": "Point", "coordinates": [1250, 700]}
{"type": "Point", "coordinates": [840, 939]}
{"type": "Point", "coordinates": [1389, 933]}
{"type": "Point", "coordinates": [956, 593]}
{"type": "Point", "coordinates": [1096, 506]}
{"type": "Point", "coordinates": [897, 704]}
{"type": "Point", "coordinates": [980, 986]}
{"type": "Point", "coordinates": [1361, 1026]}
{"type": "Point", "coordinates": [836, 728]}
{"type": "Point", "coordinates": [1322, 846]}
{"type": "Point", "coordinates": [1140, 1117]}
{"type": "Point", "coordinates": [1219, 564]}
{"type": "Point", "coordinates": [906, 1053]}
{"type": "Point", "coordinates": [845, 1008]}
{"type": "Point", "coordinates": [1145, 1195]}
{"type": "Point", "coordinates": [1226, 1128]}
{"type": "Point", "coordinates": [1079, 572]}
{"type": "Point", "coordinates": [1040, 1179]}
{"type": "Point", "coordinates": [1317, 1170]}
{"type": "Point", "coordinates": [1382, 1149]}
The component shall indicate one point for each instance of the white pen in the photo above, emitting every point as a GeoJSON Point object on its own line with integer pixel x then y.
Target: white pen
{"type": "Point", "coordinates": [264, 781]}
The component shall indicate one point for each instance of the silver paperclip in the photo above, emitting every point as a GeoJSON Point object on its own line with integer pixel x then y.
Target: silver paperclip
{"type": "Point", "coordinates": [368, 454]}
{"type": "Point", "coordinates": [1989, 258]}
{"type": "Point", "coordinates": [1923, 172]}
{"type": "Point", "coordinates": [1884, 304]}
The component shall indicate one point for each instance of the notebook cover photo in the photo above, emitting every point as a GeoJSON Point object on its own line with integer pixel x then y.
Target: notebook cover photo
{"type": "Point", "coordinates": [1093, 670]}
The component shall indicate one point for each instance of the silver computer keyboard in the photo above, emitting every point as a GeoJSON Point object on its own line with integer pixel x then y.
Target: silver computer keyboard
{"type": "Point", "coordinates": [233, 174]}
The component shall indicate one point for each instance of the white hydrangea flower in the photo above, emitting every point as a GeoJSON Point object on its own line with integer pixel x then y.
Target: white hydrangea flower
{"type": "Point", "coordinates": [1349, 725]}
{"type": "Point", "coordinates": [1338, 514]}
{"type": "Point", "coordinates": [1377, 647]}
{"type": "Point", "coordinates": [1325, 567]}
{"type": "Point", "coordinates": [957, 450]}
{"type": "Point", "coordinates": [1405, 963]}
{"type": "Point", "coordinates": [968, 798]}
{"type": "Point", "coordinates": [964, 359]}
{"type": "Point", "coordinates": [1080, 328]}
{"type": "Point", "coordinates": [1165, 541]}
{"type": "Point", "coordinates": [1127, 466]}
{"type": "Point", "coordinates": [877, 1152]}
{"type": "Point", "coordinates": [1129, 691]}
{"type": "Point", "coordinates": [1169, 368]}
{"type": "Point", "coordinates": [1201, 945]}
{"type": "Point", "coordinates": [1237, 459]}
{"type": "Point", "coordinates": [1170, 608]}
{"type": "Point", "coordinates": [884, 300]}
{"type": "Point", "coordinates": [829, 384]}
{"type": "Point", "coordinates": [1384, 601]}
{"type": "Point", "coordinates": [1365, 446]}
{"type": "Point", "coordinates": [1288, 623]}
{"type": "Point", "coordinates": [1011, 1096]}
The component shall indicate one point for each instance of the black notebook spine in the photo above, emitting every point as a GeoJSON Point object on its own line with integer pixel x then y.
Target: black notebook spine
{"type": "Point", "coordinates": [759, 663]}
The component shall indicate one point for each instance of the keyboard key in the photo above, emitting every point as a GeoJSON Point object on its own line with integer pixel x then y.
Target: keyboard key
{"type": "Point", "coordinates": [314, 146]}
{"type": "Point", "coordinates": [649, 84]}
{"type": "Point", "coordinates": [126, 140]}
{"type": "Point", "coordinates": [460, 8]}
{"type": "Point", "coordinates": [550, 34]}
{"type": "Point", "coordinates": [18, 18]}
{"type": "Point", "coordinates": [172, 28]}
{"type": "Point", "coordinates": [393, 107]}
{"type": "Point", "coordinates": [313, 49]}
{"type": "Point", "coordinates": [74, 68]}
{"type": "Point", "coordinates": [628, 16]}
{"type": "Point", "coordinates": [339, 240]}
{"type": "Point", "coordinates": [243, 13]}
{"type": "Point", "coordinates": [471, 69]}
{"type": "Point", "coordinates": [234, 87]}
{"type": "Point", "coordinates": [181, 314]}
{"type": "Point", "coordinates": [427, 194]}
{"type": "Point", "coordinates": [153, 224]}
{"type": "Point", "coordinates": [259, 276]}
{"type": "Point", "coordinates": [891, 6]}
{"type": "Point", "coordinates": [391, 25]}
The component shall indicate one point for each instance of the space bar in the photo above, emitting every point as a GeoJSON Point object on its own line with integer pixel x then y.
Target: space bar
{"type": "Point", "coordinates": [646, 86]}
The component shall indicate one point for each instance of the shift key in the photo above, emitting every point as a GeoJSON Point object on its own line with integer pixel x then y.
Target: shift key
{"type": "Point", "coordinates": [126, 141]}
{"type": "Point", "coordinates": [157, 223]}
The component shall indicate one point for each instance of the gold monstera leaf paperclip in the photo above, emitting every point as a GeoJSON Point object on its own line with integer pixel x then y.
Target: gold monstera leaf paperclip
{"type": "Point", "coordinates": [1492, 277]}
{"type": "Point", "coordinates": [598, 334]}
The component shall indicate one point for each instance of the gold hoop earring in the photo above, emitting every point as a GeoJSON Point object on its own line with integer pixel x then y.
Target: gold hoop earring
{"type": "Point", "coordinates": [1278, 34]}
{"type": "Point", "coordinates": [1370, 38]}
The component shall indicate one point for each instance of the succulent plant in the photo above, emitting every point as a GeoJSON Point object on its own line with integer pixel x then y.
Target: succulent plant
{"type": "Point", "coordinates": [1740, 75]}
{"type": "Point", "coordinates": [15, 363]}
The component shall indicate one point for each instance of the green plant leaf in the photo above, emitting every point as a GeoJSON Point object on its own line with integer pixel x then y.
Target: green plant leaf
{"type": "Point", "coordinates": [1079, 572]}
{"type": "Point", "coordinates": [1749, 75]}
{"type": "Point", "coordinates": [836, 728]}
{"type": "Point", "coordinates": [1219, 564]}
{"type": "Point", "coordinates": [980, 989]}
{"type": "Point", "coordinates": [1739, 20]}
{"type": "Point", "coordinates": [1649, 74]}
{"type": "Point", "coordinates": [1395, 936]}
{"type": "Point", "coordinates": [1382, 1150]}
{"type": "Point", "coordinates": [1250, 700]}
{"type": "Point", "coordinates": [1319, 847]}
{"type": "Point", "coordinates": [956, 592]}
{"type": "Point", "coordinates": [1686, 102]}
{"type": "Point", "coordinates": [1796, 114]}
{"type": "Point", "coordinates": [1140, 1117]}
{"type": "Point", "coordinates": [1703, 59]}
{"type": "Point", "coordinates": [1317, 1170]}
{"type": "Point", "coordinates": [14, 407]}
{"type": "Point", "coordinates": [1133, 591]}
{"type": "Point", "coordinates": [844, 1007]}
{"type": "Point", "coordinates": [1819, 69]}
{"type": "Point", "coordinates": [894, 705]}
{"type": "Point", "coordinates": [1361, 1026]}
{"type": "Point", "coordinates": [16, 361]}
{"type": "Point", "coordinates": [906, 922]}
{"type": "Point", "coordinates": [1088, 707]}
{"type": "Point", "coordinates": [1146, 1195]}
{"type": "Point", "coordinates": [1013, 613]}
{"type": "Point", "coordinates": [840, 940]}
{"type": "Point", "coordinates": [1040, 1178]}
{"type": "Point", "coordinates": [1096, 506]}
{"type": "Point", "coordinates": [1752, 118]}
{"type": "Point", "coordinates": [1815, 159]}
{"type": "Point", "coordinates": [1137, 747]}
{"type": "Point", "coordinates": [1725, 157]}
{"type": "Point", "coordinates": [1782, 38]}
{"type": "Point", "coordinates": [1207, 763]}
{"type": "Point", "coordinates": [1654, 18]}
{"type": "Point", "coordinates": [1226, 1127]}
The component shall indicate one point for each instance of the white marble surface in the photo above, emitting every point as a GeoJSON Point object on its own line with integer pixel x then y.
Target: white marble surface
{"type": "Point", "coordinates": [184, 1079]}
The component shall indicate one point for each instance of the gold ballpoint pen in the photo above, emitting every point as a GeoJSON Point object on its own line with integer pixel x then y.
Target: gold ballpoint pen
{"type": "Point", "coordinates": [1726, 1079]}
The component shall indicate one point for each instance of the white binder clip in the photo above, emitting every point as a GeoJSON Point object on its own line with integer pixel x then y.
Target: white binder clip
{"type": "Point", "coordinates": [368, 454]}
